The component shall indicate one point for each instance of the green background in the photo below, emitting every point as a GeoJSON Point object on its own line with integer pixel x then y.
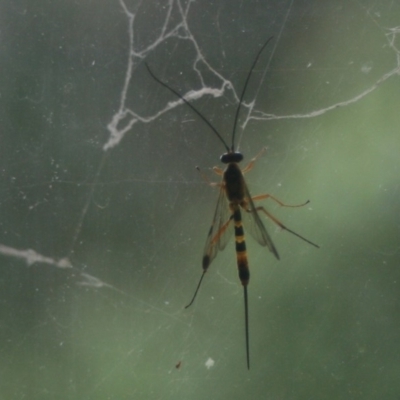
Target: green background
{"type": "Point", "coordinates": [128, 221]}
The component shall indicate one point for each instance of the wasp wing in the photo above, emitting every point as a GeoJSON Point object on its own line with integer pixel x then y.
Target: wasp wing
{"type": "Point", "coordinates": [254, 225]}
{"type": "Point", "coordinates": [220, 231]}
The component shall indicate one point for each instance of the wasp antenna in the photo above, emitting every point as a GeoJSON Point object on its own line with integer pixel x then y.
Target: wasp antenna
{"type": "Point", "coordinates": [190, 105]}
{"type": "Point", "coordinates": [244, 91]}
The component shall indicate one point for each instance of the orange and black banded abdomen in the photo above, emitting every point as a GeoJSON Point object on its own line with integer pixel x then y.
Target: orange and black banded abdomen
{"type": "Point", "coordinates": [240, 244]}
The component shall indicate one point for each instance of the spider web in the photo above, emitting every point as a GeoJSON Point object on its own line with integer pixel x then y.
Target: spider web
{"type": "Point", "coordinates": [105, 217]}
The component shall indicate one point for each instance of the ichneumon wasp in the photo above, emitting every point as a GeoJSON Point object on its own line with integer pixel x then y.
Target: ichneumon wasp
{"type": "Point", "coordinates": [234, 198]}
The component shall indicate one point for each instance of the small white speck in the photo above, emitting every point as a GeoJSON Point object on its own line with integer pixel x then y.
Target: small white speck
{"type": "Point", "coordinates": [209, 363]}
{"type": "Point", "coordinates": [366, 68]}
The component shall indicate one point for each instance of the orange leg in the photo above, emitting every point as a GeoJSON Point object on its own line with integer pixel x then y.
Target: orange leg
{"type": "Point", "coordinates": [222, 230]}
{"type": "Point", "coordinates": [269, 196]}
{"type": "Point", "coordinates": [250, 165]}
{"type": "Point", "coordinates": [279, 223]}
{"type": "Point", "coordinates": [218, 171]}
{"type": "Point", "coordinates": [205, 178]}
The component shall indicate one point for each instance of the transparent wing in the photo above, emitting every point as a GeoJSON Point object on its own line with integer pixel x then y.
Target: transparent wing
{"type": "Point", "coordinates": [220, 230]}
{"type": "Point", "coordinates": [254, 225]}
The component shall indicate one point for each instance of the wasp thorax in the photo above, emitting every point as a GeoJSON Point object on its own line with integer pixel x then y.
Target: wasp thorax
{"type": "Point", "coordinates": [231, 157]}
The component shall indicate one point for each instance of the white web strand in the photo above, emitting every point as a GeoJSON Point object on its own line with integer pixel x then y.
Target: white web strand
{"type": "Point", "coordinates": [32, 257]}
{"type": "Point", "coordinates": [180, 30]}
{"type": "Point", "coordinates": [125, 118]}
{"type": "Point", "coordinates": [128, 117]}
